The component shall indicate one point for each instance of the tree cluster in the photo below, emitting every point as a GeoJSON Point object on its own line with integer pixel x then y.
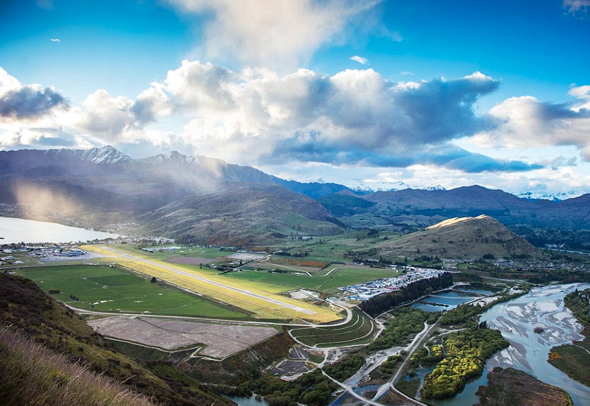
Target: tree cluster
{"type": "Point", "coordinates": [466, 353]}
{"type": "Point", "coordinates": [405, 324]}
{"type": "Point", "coordinates": [579, 303]}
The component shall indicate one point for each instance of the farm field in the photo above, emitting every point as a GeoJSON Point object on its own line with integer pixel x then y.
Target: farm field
{"type": "Point", "coordinates": [255, 297]}
{"type": "Point", "coordinates": [326, 283]}
{"type": "Point", "coordinates": [105, 289]}
{"type": "Point", "coordinates": [334, 248]}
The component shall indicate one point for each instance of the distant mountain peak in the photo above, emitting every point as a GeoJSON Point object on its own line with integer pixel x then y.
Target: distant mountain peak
{"type": "Point", "coordinates": [435, 187]}
{"type": "Point", "coordinates": [555, 197]}
{"type": "Point", "coordinates": [100, 155]}
{"type": "Point", "coordinates": [105, 155]}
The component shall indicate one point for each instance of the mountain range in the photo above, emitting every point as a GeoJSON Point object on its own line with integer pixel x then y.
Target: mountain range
{"type": "Point", "coordinates": [211, 200]}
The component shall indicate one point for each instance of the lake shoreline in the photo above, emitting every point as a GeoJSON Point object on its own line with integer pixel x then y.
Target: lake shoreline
{"type": "Point", "coordinates": [16, 230]}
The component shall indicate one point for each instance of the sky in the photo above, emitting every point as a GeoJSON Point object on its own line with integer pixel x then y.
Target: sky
{"type": "Point", "coordinates": [374, 92]}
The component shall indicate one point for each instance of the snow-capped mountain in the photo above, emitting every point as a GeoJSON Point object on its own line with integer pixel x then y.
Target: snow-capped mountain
{"type": "Point", "coordinates": [555, 197]}
{"type": "Point", "coordinates": [369, 186]}
{"type": "Point", "coordinates": [105, 155]}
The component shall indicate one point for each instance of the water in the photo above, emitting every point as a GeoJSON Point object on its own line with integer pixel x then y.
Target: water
{"type": "Point", "coordinates": [447, 300]}
{"type": "Point", "coordinates": [19, 230]}
{"type": "Point", "coordinates": [529, 351]}
{"type": "Point", "coordinates": [467, 396]}
{"type": "Point", "coordinates": [470, 289]}
{"type": "Point", "coordinates": [430, 307]}
{"type": "Point", "coordinates": [251, 401]}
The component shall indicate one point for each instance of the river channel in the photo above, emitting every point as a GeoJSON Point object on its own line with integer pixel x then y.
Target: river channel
{"type": "Point", "coordinates": [528, 351]}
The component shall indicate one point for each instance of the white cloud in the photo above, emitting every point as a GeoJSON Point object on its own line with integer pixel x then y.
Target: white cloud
{"type": "Point", "coordinates": [280, 33]}
{"type": "Point", "coordinates": [360, 59]}
{"type": "Point", "coordinates": [256, 116]}
{"type": "Point", "coordinates": [55, 40]}
{"type": "Point", "coordinates": [27, 102]}
{"type": "Point", "coordinates": [525, 121]}
{"type": "Point", "coordinates": [201, 86]}
{"type": "Point", "coordinates": [355, 117]}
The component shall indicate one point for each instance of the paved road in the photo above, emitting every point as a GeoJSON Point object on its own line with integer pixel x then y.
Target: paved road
{"type": "Point", "coordinates": [416, 343]}
{"type": "Point", "coordinates": [218, 284]}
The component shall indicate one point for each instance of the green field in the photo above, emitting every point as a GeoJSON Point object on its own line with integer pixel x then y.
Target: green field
{"type": "Point", "coordinates": [107, 289]}
{"type": "Point", "coordinates": [361, 329]}
{"type": "Point", "coordinates": [336, 279]}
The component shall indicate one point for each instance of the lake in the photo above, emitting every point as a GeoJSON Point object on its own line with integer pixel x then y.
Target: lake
{"type": "Point", "coordinates": [14, 230]}
{"type": "Point", "coordinates": [248, 401]}
{"type": "Point", "coordinates": [444, 301]}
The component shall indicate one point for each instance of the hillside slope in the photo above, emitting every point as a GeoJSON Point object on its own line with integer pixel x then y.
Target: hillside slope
{"type": "Point", "coordinates": [462, 238]}
{"type": "Point", "coordinates": [33, 375]}
{"type": "Point", "coordinates": [247, 214]}
{"type": "Point", "coordinates": [102, 187]}
{"type": "Point", "coordinates": [412, 208]}
{"type": "Point", "coordinates": [24, 307]}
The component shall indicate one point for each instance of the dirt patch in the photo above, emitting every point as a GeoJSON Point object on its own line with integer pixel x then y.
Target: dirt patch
{"type": "Point", "coordinates": [247, 256]}
{"type": "Point", "coordinates": [313, 266]}
{"type": "Point", "coordinates": [289, 367]}
{"type": "Point", "coordinates": [303, 295]}
{"type": "Point", "coordinates": [392, 398]}
{"type": "Point", "coordinates": [190, 260]}
{"type": "Point", "coordinates": [220, 340]}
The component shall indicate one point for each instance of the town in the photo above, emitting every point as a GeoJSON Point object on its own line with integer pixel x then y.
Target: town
{"type": "Point", "coordinates": [368, 290]}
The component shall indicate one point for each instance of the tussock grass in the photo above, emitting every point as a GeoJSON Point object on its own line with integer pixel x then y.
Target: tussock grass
{"type": "Point", "coordinates": [33, 375]}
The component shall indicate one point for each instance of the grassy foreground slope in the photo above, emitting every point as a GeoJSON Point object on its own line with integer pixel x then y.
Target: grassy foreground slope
{"type": "Point", "coordinates": [34, 375]}
{"type": "Point", "coordinates": [24, 307]}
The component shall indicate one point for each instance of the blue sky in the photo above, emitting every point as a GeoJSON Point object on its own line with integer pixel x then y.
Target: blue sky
{"type": "Point", "coordinates": [447, 93]}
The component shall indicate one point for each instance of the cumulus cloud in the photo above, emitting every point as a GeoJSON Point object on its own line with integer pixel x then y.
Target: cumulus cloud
{"type": "Point", "coordinates": [201, 86]}
{"type": "Point", "coordinates": [360, 59]}
{"type": "Point", "coordinates": [281, 34]}
{"type": "Point", "coordinates": [121, 119]}
{"type": "Point", "coordinates": [526, 121]}
{"type": "Point", "coordinates": [112, 119]}
{"type": "Point", "coordinates": [30, 102]}
{"type": "Point", "coordinates": [37, 137]}
{"type": "Point", "coordinates": [355, 117]}
{"type": "Point", "coordinates": [258, 117]}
